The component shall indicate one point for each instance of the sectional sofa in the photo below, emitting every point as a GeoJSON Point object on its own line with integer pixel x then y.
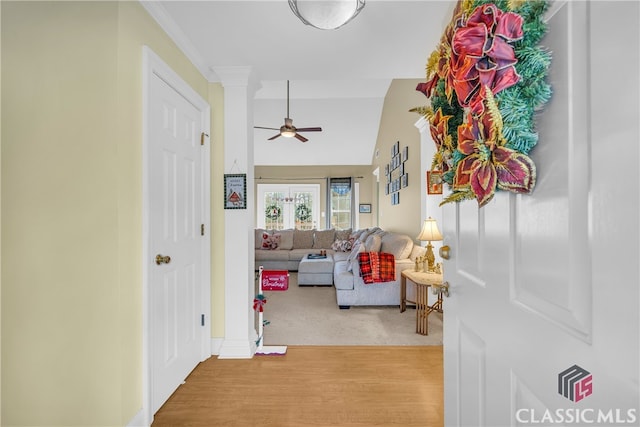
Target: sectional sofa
{"type": "Point", "coordinates": [283, 250]}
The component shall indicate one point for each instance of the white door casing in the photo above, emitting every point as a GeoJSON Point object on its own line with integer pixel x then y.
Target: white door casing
{"type": "Point", "coordinates": [542, 282]}
{"type": "Point", "coordinates": [176, 211]}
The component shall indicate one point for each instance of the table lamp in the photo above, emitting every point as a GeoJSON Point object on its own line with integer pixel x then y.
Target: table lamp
{"type": "Point", "coordinates": [430, 233]}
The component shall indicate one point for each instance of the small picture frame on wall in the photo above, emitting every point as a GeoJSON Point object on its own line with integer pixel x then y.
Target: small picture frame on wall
{"type": "Point", "coordinates": [235, 191]}
{"type": "Point", "coordinates": [434, 182]}
{"type": "Point", "coordinates": [365, 207]}
{"type": "Point", "coordinates": [405, 180]}
{"type": "Point", "coordinates": [405, 154]}
{"type": "Point", "coordinates": [395, 148]}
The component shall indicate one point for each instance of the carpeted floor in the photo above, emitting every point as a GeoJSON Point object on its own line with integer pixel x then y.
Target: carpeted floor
{"type": "Point", "coordinates": [309, 315]}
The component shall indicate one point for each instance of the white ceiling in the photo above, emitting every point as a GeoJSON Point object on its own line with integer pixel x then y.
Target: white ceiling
{"type": "Point", "coordinates": [338, 78]}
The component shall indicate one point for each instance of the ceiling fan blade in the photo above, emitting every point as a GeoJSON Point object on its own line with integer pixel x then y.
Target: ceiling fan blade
{"type": "Point", "coordinates": [260, 127]}
{"type": "Point", "coordinates": [301, 138]}
{"type": "Point", "coordinates": [316, 129]}
{"type": "Point", "coordinates": [274, 137]}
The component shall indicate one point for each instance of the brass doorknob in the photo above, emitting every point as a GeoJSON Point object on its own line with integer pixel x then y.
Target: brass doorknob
{"type": "Point", "coordinates": [162, 259]}
{"type": "Point", "coordinates": [444, 288]}
{"type": "Point", "coordinates": [444, 252]}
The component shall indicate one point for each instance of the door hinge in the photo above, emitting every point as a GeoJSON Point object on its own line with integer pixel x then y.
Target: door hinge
{"type": "Point", "coordinates": [202, 135]}
{"type": "Point", "coordinates": [202, 320]}
{"type": "Point", "coordinates": [202, 229]}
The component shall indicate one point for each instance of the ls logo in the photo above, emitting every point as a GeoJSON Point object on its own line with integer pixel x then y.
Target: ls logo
{"type": "Point", "coordinates": [575, 383]}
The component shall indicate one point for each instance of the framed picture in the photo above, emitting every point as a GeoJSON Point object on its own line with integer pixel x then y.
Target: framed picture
{"type": "Point", "coordinates": [365, 207]}
{"type": "Point", "coordinates": [434, 182]}
{"type": "Point", "coordinates": [235, 191]}
{"type": "Point", "coordinates": [405, 154]}
{"type": "Point", "coordinates": [405, 180]}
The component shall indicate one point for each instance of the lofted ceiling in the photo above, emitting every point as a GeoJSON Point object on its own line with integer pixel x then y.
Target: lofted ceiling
{"type": "Point", "coordinates": [338, 78]}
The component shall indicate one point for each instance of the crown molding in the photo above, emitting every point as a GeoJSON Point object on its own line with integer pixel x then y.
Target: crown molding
{"type": "Point", "coordinates": [157, 11]}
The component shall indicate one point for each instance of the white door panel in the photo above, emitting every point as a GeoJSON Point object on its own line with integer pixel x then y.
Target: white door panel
{"type": "Point", "coordinates": [175, 210]}
{"type": "Point", "coordinates": [529, 297]}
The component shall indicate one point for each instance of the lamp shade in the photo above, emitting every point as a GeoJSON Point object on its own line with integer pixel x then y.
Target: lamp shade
{"type": "Point", "coordinates": [326, 14]}
{"type": "Point", "coordinates": [429, 231]}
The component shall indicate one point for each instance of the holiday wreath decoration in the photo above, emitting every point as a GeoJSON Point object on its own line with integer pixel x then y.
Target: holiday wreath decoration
{"type": "Point", "coordinates": [485, 81]}
{"type": "Point", "coordinates": [303, 212]}
{"type": "Point", "coordinates": [272, 212]}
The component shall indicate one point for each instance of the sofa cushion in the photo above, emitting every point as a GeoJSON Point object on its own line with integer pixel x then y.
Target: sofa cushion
{"type": "Point", "coordinates": [342, 279]}
{"type": "Point", "coordinates": [258, 243]}
{"type": "Point", "coordinates": [303, 239]}
{"type": "Point", "coordinates": [324, 238]}
{"type": "Point", "coordinates": [365, 233]}
{"type": "Point", "coordinates": [340, 256]}
{"type": "Point", "coordinates": [286, 239]}
{"type": "Point", "coordinates": [373, 243]}
{"type": "Point", "coordinates": [272, 256]}
{"type": "Point", "coordinates": [298, 254]}
{"type": "Point", "coordinates": [343, 234]}
{"type": "Point", "coordinates": [400, 245]}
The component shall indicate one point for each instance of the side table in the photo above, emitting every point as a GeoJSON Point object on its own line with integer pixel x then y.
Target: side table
{"type": "Point", "coordinates": [423, 281]}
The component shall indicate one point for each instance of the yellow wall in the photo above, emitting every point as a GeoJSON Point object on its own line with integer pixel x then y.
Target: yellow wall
{"type": "Point", "coordinates": [317, 175]}
{"type": "Point", "coordinates": [397, 124]}
{"type": "Point", "coordinates": [71, 198]}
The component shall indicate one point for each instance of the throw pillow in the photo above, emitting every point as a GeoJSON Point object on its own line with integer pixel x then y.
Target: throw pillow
{"type": "Point", "coordinates": [303, 239]}
{"type": "Point", "coordinates": [341, 245]}
{"type": "Point", "coordinates": [343, 234]}
{"type": "Point", "coordinates": [400, 245]}
{"type": "Point", "coordinates": [323, 239]}
{"type": "Point", "coordinates": [373, 243]}
{"type": "Point", "coordinates": [270, 241]}
{"type": "Point", "coordinates": [286, 239]}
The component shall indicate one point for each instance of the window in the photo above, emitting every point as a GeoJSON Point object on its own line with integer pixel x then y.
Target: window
{"type": "Point", "coordinates": [342, 196]}
{"type": "Point", "coordinates": [282, 206]}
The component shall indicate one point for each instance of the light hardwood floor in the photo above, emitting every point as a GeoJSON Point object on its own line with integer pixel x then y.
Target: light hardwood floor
{"type": "Point", "coordinates": [314, 386]}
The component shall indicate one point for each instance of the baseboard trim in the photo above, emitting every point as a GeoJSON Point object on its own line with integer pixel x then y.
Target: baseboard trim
{"type": "Point", "coordinates": [216, 344]}
{"type": "Point", "coordinates": [237, 349]}
{"type": "Point", "coordinates": [138, 420]}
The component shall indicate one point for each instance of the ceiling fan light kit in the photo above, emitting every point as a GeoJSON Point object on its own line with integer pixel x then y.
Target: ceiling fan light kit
{"type": "Point", "coordinates": [326, 14]}
{"type": "Point", "coordinates": [288, 130]}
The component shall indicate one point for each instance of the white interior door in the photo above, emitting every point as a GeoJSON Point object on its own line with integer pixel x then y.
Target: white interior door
{"type": "Point", "coordinates": [540, 284]}
{"type": "Point", "coordinates": [176, 172]}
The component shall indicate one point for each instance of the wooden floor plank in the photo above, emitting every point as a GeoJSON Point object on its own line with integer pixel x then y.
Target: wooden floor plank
{"type": "Point", "coordinates": [314, 386]}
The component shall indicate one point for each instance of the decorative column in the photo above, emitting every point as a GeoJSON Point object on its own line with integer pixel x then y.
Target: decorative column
{"type": "Point", "coordinates": [239, 288]}
{"type": "Point", "coordinates": [430, 203]}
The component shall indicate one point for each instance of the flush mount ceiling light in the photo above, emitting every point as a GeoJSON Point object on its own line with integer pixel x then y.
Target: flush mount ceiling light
{"type": "Point", "coordinates": [326, 14]}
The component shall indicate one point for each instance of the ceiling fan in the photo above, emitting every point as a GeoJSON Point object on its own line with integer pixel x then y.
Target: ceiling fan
{"type": "Point", "coordinates": [288, 130]}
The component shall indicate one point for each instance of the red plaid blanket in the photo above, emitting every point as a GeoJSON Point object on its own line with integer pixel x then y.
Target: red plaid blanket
{"type": "Point", "coordinates": [377, 267]}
